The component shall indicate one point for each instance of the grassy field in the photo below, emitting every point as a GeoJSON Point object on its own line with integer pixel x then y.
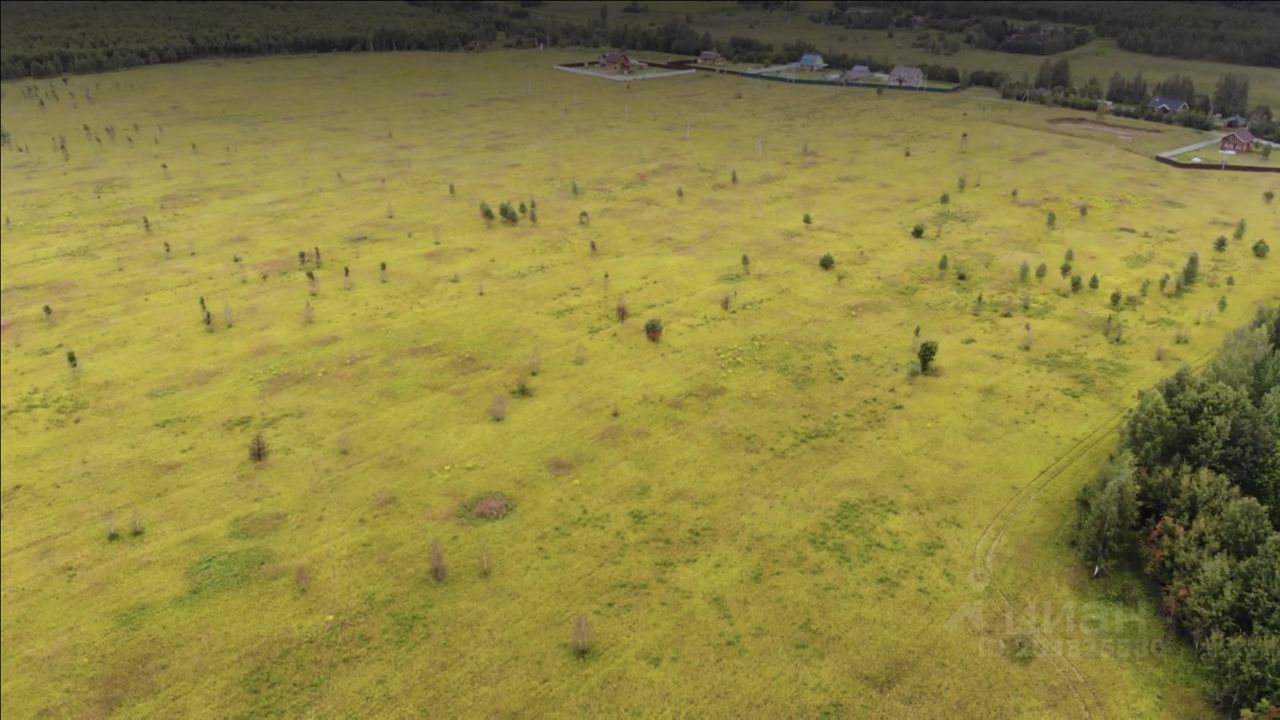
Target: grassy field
{"type": "Point", "coordinates": [1099, 58]}
{"type": "Point", "coordinates": [763, 515]}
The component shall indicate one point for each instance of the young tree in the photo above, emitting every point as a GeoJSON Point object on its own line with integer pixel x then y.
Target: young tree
{"type": "Point", "coordinates": [1220, 244]}
{"type": "Point", "coordinates": [944, 199]}
{"type": "Point", "coordinates": [452, 191]}
{"type": "Point", "coordinates": [733, 177]}
{"type": "Point", "coordinates": [437, 562]}
{"type": "Point", "coordinates": [1261, 248]}
{"type": "Point", "coordinates": [621, 309]}
{"type": "Point", "coordinates": [1076, 283]}
{"type": "Point", "coordinates": [581, 642]}
{"type": "Point", "coordinates": [486, 212]}
{"type": "Point", "coordinates": [1094, 282]}
{"type": "Point", "coordinates": [808, 219]}
{"type": "Point", "coordinates": [1240, 230]}
{"type": "Point", "coordinates": [72, 362]}
{"type": "Point", "coordinates": [826, 262]}
{"type": "Point", "coordinates": [1191, 271]}
{"type": "Point", "coordinates": [48, 314]}
{"type": "Point", "coordinates": [1024, 271]}
{"type": "Point", "coordinates": [258, 449]}
{"type": "Point", "coordinates": [926, 354]}
{"type": "Point", "coordinates": [746, 264]}
{"type": "Point", "coordinates": [917, 230]}
{"type": "Point", "coordinates": [1041, 270]}
{"type": "Point", "coordinates": [653, 329]}
{"type": "Point", "coordinates": [1116, 297]}
{"type": "Point", "coordinates": [382, 271]}
{"type": "Point", "coordinates": [1107, 514]}
{"type": "Point", "coordinates": [1051, 219]}
{"type": "Point", "coordinates": [943, 263]}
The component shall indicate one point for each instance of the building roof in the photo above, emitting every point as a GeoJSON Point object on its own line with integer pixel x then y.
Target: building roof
{"type": "Point", "coordinates": [1242, 134]}
{"type": "Point", "coordinates": [860, 69]}
{"type": "Point", "coordinates": [614, 57]}
{"type": "Point", "coordinates": [1172, 103]}
{"type": "Point", "coordinates": [811, 59]}
{"type": "Point", "coordinates": [709, 54]}
{"type": "Point", "coordinates": [906, 72]}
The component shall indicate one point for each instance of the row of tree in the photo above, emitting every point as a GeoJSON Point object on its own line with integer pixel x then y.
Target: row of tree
{"type": "Point", "coordinates": [1245, 33]}
{"type": "Point", "coordinates": [1195, 496]}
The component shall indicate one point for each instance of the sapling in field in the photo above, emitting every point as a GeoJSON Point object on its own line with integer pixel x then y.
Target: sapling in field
{"type": "Point", "coordinates": [1041, 270]}
{"type": "Point", "coordinates": [1240, 230]}
{"type": "Point", "coordinates": [1024, 271]}
{"type": "Point", "coordinates": [1076, 283]}
{"type": "Point", "coordinates": [943, 263]}
{"type": "Point", "coordinates": [1051, 219]}
{"type": "Point", "coordinates": [258, 449]}
{"type": "Point", "coordinates": [926, 355]}
{"type": "Point", "coordinates": [826, 262]}
{"type": "Point", "coordinates": [581, 642]}
{"type": "Point", "coordinates": [1094, 282]}
{"type": "Point", "coordinates": [917, 231]}
{"type": "Point", "coordinates": [48, 314]}
{"type": "Point", "coordinates": [1260, 249]}
{"type": "Point", "coordinates": [498, 408]}
{"type": "Point", "coordinates": [437, 562]}
{"type": "Point", "coordinates": [746, 264]}
{"type": "Point", "coordinates": [1220, 244]}
{"type": "Point", "coordinates": [382, 271]}
{"type": "Point", "coordinates": [622, 310]}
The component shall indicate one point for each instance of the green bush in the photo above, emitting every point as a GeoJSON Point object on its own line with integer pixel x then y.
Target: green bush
{"type": "Point", "coordinates": [826, 262]}
{"type": "Point", "coordinates": [917, 231]}
{"type": "Point", "coordinates": [1261, 248]}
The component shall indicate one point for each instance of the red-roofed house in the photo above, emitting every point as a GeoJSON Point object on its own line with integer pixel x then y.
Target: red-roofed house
{"type": "Point", "coordinates": [1238, 140]}
{"type": "Point", "coordinates": [617, 62]}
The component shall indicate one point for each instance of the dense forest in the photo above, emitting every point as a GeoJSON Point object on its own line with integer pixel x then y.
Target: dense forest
{"type": "Point", "coordinates": [1194, 497]}
{"type": "Point", "coordinates": [1245, 33]}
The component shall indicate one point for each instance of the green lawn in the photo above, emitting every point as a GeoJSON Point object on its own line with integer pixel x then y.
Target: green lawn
{"type": "Point", "coordinates": [766, 514]}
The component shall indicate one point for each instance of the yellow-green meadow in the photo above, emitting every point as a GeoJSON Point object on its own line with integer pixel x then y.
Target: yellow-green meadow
{"type": "Point", "coordinates": [766, 513]}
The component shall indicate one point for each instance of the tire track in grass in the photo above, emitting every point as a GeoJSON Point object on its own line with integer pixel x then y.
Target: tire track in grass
{"type": "Point", "coordinates": [983, 570]}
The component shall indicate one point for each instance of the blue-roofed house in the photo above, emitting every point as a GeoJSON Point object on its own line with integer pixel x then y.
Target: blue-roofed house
{"type": "Point", "coordinates": [811, 61]}
{"type": "Point", "coordinates": [1169, 105]}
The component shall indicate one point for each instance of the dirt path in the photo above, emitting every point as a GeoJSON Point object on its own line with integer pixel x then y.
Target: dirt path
{"type": "Point", "coordinates": [983, 569]}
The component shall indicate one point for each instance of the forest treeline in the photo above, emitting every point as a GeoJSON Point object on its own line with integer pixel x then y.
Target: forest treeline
{"type": "Point", "coordinates": [1244, 33]}
{"type": "Point", "coordinates": [1194, 498]}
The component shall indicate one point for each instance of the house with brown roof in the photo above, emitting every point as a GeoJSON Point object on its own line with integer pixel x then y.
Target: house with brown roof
{"type": "Point", "coordinates": [710, 57]}
{"type": "Point", "coordinates": [616, 62]}
{"type": "Point", "coordinates": [1238, 141]}
{"type": "Point", "coordinates": [906, 76]}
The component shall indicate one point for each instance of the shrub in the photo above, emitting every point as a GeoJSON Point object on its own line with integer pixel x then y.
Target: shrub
{"type": "Point", "coordinates": [382, 271]}
{"type": "Point", "coordinates": [507, 212]}
{"type": "Point", "coordinates": [1084, 211]}
{"type": "Point", "coordinates": [622, 310]}
{"type": "Point", "coordinates": [943, 263]}
{"type": "Point", "coordinates": [808, 219]}
{"type": "Point", "coordinates": [653, 329]}
{"type": "Point", "coordinates": [826, 262]}
{"type": "Point", "coordinates": [522, 389]}
{"type": "Point", "coordinates": [71, 359]}
{"type": "Point", "coordinates": [1268, 196]}
{"type": "Point", "coordinates": [535, 364]}
{"type": "Point", "coordinates": [746, 264]}
{"type": "Point", "coordinates": [1261, 248]}
{"type": "Point", "coordinates": [1041, 270]}
{"type": "Point", "coordinates": [1220, 244]}
{"type": "Point", "coordinates": [581, 642]}
{"type": "Point", "coordinates": [1222, 304]}
{"type": "Point", "coordinates": [1116, 297]}
{"type": "Point", "coordinates": [962, 274]}
{"type": "Point", "coordinates": [960, 183]}
{"type": "Point", "coordinates": [944, 198]}
{"type": "Point", "coordinates": [573, 186]}
{"type": "Point", "coordinates": [437, 562]}
{"type": "Point", "coordinates": [1065, 268]}
{"type": "Point", "coordinates": [679, 192]}
{"type": "Point", "coordinates": [733, 177]}
{"type": "Point", "coordinates": [1024, 271]}
{"type": "Point", "coordinates": [1070, 256]}
{"type": "Point", "coordinates": [452, 191]}
{"type": "Point", "coordinates": [926, 354]}
{"type": "Point", "coordinates": [583, 218]}
{"type": "Point", "coordinates": [1240, 229]}
{"type": "Point", "coordinates": [1051, 219]}
{"type": "Point", "coordinates": [1076, 283]}
{"type": "Point", "coordinates": [917, 230]}
{"type": "Point", "coordinates": [486, 212]}
{"type": "Point", "coordinates": [524, 209]}
{"type": "Point", "coordinates": [1013, 194]}
{"type": "Point", "coordinates": [1094, 282]}
{"type": "Point", "coordinates": [533, 216]}
{"type": "Point", "coordinates": [258, 449]}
